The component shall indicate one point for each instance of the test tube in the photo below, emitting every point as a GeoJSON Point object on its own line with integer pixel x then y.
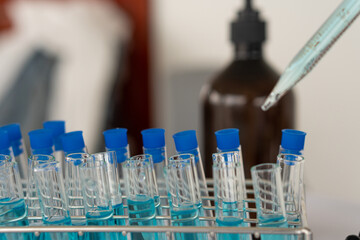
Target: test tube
{"type": "Point", "coordinates": [228, 187]}
{"type": "Point", "coordinates": [41, 142]}
{"type": "Point", "coordinates": [32, 198]}
{"type": "Point", "coordinates": [183, 199]}
{"type": "Point", "coordinates": [186, 142]}
{"type": "Point", "coordinates": [140, 191]}
{"type": "Point", "coordinates": [97, 200]}
{"type": "Point", "coordinates": [57, 129]}
{"type": "Point", "coordinates": [292, 142]}
{"type": "Point", "coordinates": [269, 198]}
{"type": "Point", "coordinates": [291, 175]}
{"type": "Point", "coordinates": [154, 144]}
{"type": "Point", "coordinates": [73, 142]}
{"type": "Point", "coordinates": [18, 148]}
{"type": "Point", "coordinates": [113, 178]}
{"type": "Point", "coordinates": [51, 192]}
{"type": "Point", "coordinates": [233, 157]}
{"type": "Point", "coordinates": [116, 140]}
{"type": "Point", "coordinates": [12, 204]}
{"type": "Point", "coordinates": [73, 186]}
{"type": "Point", "coordinates": [228, 140]}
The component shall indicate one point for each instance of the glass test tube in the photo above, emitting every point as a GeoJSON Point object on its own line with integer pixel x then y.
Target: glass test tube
{"type": "Point", "coordinates": [228, 142]}
{"type": "Point", "coordinates": [154, 144]}
{"type": "Point", "coordinates": [57, 129]}
{"type": "Point", "coordinates": [41, 142]}
{"type": "Point", "coordinates": [183, 199]}
{"type": "Point", "coordinates": [51, 192]}
{"type": "Point", "coordinates": [116, 140]}
{"type": "Point", "coordinates": [18, 148]}
{"type": "Point", "coordinates": [186, 142]}
{"type": "Point", "coordinates": [190, 160]}
{"type": "Point", "coordinates": [292, 142]}
{"type": "Point", "coordinates": [140, 191]}
{"type": "Point", "coordinates": [32, 198]}
{"type": "Point", "coordinates": [228, 187]}
{"type": "Point", "coordinates": [113, 178]}
{"type": "Point", "coordinates": [291, 175]}
{"type": "Point", "coordinates": [269, 198]}
{"type": "Point", "coordinates": [73, 186]}
{"type": "Point", "coordinates": [12, 204]}
{"type": "Point", "coordinates": [97, 200]}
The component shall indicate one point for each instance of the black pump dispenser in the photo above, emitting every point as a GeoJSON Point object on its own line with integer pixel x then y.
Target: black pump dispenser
{"type": "Point", "coordinates": [248, 27]}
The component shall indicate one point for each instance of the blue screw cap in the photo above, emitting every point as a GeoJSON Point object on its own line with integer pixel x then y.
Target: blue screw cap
{"type": "Point", "coordinates": [40, 139]}
{"type": "Point", "coordinates": [56, 127]}
{"type": "Point", "coordinates": [115, 138]}
{"type": "Point", "coordinates": [153, 137]}
{"type": "Point", "coordinates": [227, 139]}
{"type": "Point", "coordinates": [72, 141]}
{"type": "Point", "coordinates": [13, 130]}
{"type": "Point", "coordinates": [4, 140]}
{"type": "Point", "coordinates": [293, 139]}
{"type": "Point", "coordinates": [185, 140]}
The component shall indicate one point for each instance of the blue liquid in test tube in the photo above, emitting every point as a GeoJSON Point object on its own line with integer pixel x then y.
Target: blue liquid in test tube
{"type": "Point", "coordinates": [12, 204]}
{"type": "Point", "coordinates": [141, 190]}
{"type": "Point", "coordinates": [154, 145]}
{"type": "Point", "coordinates": [186, 142]}
{"type": "Point", "coordinates": [183, 195]}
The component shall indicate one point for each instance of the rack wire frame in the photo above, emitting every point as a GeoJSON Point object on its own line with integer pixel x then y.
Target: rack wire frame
{"type": "Point", "coordinates": [298, 229]}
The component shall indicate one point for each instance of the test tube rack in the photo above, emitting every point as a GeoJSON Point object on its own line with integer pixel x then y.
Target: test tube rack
{"type": "Point", "coordinates": [298, 231]}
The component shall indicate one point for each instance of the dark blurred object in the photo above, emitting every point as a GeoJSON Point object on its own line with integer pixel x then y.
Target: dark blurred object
{"type": "Point", "coordinates": [130, 107]}
{"type": "Point", "coordinates": [352, 237]}
{"type": "Point", "coordinates": [26, 101]}
{"type": "Point", "coordinates": [234, 97]}
{"type": "Point", "coordinates": [5, 23]}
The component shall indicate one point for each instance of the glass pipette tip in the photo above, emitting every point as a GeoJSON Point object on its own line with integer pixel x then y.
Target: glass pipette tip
{"type": "Point", "coordinates": [314, 49]}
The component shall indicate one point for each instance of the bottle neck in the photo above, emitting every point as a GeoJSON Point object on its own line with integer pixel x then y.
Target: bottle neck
{"type": "Point", "coordinates": [248, 51]}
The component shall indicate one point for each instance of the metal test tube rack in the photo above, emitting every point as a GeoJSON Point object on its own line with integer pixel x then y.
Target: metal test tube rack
{"type": "Point", "coordinates": [301, 232]}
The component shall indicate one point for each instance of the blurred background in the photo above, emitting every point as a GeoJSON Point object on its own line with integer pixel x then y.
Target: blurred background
{"type": "Point", "coordinates": [140, 64]}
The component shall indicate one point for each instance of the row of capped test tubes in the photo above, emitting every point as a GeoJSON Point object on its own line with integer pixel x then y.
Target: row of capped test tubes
{"type": "Point", "coordinates": [128, 169]}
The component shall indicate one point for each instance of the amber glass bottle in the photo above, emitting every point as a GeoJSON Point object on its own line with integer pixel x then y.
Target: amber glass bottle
{"type": "Point", "coordinates": [234, 97]}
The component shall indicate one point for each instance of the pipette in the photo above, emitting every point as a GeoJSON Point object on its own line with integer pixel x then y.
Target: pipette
{"type": "Point", "coordinates": [314, 49]}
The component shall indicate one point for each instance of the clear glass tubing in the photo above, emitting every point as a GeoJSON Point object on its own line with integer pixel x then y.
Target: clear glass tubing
{"type": "Point", "coordinates": [32, 198]}
{"type": "Point", "coordinates": [307, 58]}
{"type": "Point", "coordinates": [97, 197]}
{"type": "Point", "coordinates": [228, 192]}
{"type": "Point", "coordinates": [140, 192]}
{"type": "Point", "coordinates": [12, 204]}
{"type": "Point", "coordinates": [52, 198]}
{"type": "Point", "coordinates": [183, 199]}
{"type": "Point", "coordinates": [269, 198]}
{"type": "Point", "coordinates": [292, 178]}
{"type": "Point", "coordinates": [114, 183]}
{"type": "Point", "coordinates": [73, 185]}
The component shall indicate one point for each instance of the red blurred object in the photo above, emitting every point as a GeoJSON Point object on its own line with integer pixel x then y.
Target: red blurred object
{"type": "Point", "coordinates": [5, 23]}
{"type": "Point", "coordinates": [133, 105]}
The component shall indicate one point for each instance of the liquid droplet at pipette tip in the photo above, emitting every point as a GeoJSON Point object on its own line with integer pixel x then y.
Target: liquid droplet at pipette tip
{"type": "Point", "coordinates": [269, 102]}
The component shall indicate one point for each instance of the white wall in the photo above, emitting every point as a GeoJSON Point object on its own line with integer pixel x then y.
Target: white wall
{"type": "Point", "coordinates": [194, 34]}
